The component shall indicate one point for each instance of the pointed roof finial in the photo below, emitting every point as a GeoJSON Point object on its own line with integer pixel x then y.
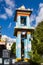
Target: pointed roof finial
{"type": "Point", "coordinates": [22, 7]}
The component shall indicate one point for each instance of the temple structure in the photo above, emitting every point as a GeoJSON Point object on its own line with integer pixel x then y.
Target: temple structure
{"type": "Point", "coordinates": [23, 32]}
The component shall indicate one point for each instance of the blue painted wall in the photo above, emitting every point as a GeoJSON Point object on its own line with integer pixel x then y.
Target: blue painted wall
{"type": "Point", "coordinates": [18, 21]}
{"type": "Point", "coordinates": [28, 22]}
{"type": "Point", "coordinates": [18, 46]}
{"type": "Point", "coordinates": [29, 43]}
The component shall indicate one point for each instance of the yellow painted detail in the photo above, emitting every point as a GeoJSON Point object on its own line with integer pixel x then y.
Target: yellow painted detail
{"type": "Point", "coordinates": [18, 59]}
{"type": "Point", "coordinates": [23, 13]}
{"type": "Point", "coordinates": [19, 32]}
{"type": "Point", "coordinates": [26, 59]}
{"type": "Point", "coordinates": [2, 40]}
{"type": "Point", "coordinates": [28, 32]}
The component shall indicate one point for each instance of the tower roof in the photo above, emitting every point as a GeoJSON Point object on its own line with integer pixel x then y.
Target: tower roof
{"type": "Point", "coordinates": [23, 10]}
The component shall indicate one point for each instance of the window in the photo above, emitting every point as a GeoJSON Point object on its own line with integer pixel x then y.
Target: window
{"type": "Point", "coordinates": [9, 44]}
{"type": "Point", "coordinates": [0, 60]}
{"type": "Point", "coordinates": [23, 20]}
{"type": "Point", "coordinates": [6, 61]}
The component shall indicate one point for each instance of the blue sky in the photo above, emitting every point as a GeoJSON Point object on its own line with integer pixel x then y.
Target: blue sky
{"type": "Point", "coordinates": [7, 12]}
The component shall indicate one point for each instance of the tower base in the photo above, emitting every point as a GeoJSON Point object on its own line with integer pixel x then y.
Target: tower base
{"type": "Point", "coordinates": [18, 59]}
{"type": "Point", "coordinates": [22, 63]}
{"type": "Point", "coordinates": [26, 59]}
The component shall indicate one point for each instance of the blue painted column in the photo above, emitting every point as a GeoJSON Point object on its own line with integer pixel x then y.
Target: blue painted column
{"type": "Point", "coordinates": [29, 42]}
{"type": "Point", "coordinates": [18, 45]}
{"type": "Point", "coordinates": [28, 22]}
{"type": "Point", "coordinates": [25, 49]}
{"type": "Point", "coordinates": [18, 21]}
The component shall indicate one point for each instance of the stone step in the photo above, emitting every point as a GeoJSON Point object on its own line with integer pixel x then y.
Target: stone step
{"type": "Point", "coordinates": [22, 63]}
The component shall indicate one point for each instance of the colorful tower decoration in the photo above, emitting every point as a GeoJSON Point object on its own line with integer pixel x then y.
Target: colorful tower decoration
{"type": "Point", "coordinates": [23, 33]}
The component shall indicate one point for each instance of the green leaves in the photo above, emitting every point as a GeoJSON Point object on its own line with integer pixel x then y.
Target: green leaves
{"type": "Point", "coordinates": [13, 48]}
{"type": "Point", "coordinates": [37, 44]}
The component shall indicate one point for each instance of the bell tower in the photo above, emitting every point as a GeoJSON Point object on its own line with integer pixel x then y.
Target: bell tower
{"type": "Point", "coordinates": [23, 32]}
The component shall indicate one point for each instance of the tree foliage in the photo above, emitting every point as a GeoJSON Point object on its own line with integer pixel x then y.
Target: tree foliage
{"type": "Point", "coordinates": [13, 50]}
{"type": "Point", "coordinates": [37, 44]}
{"type": "Point", "coordinates": [39, 37]}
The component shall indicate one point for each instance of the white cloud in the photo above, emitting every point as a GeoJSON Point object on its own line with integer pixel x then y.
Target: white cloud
{"type": "Point", "coordinates": [41, 5]}
{"type": "Point", "coordinates": [1, 0]}
{"type": "Point", "coordinates": [39, 17]}
{"type": "Point", "coordinates": [10, 3]}
{"type": "Point", "coordinates": [9, 39]}
{"type": "Point", "coordinates": [32, 18]}
{"type": "Point", "coordinates": [3, 16]}
{"type": "Point", "coordinates": [8, 11]}
{"type": "Point", "coordinates": [9, 25]}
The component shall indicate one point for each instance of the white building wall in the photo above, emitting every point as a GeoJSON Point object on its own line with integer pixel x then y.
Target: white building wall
{"type": "Point", "coordinates": [8, 46]}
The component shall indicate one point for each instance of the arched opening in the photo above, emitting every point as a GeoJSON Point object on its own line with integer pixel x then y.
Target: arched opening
{"type": "Point", "coordinates": [23, 37]}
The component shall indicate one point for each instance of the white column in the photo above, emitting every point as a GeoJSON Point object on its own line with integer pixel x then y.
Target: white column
{"type": "Point", "coordinates": [18, 45]}
{"type": "Point", "coordinates": [18, 21]}
{"type": "Point", "coordinates": [29, 42]}
{"type": "Point", "coordinates": [28, 21]}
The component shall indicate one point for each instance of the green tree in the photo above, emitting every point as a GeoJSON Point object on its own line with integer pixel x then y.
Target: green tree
{"type": "Point", "coordinates": [39, 37]}
{"type": "Point", "coordinates": [37, 44]}
{"type": "Point", "coordinates": [13, 49]}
